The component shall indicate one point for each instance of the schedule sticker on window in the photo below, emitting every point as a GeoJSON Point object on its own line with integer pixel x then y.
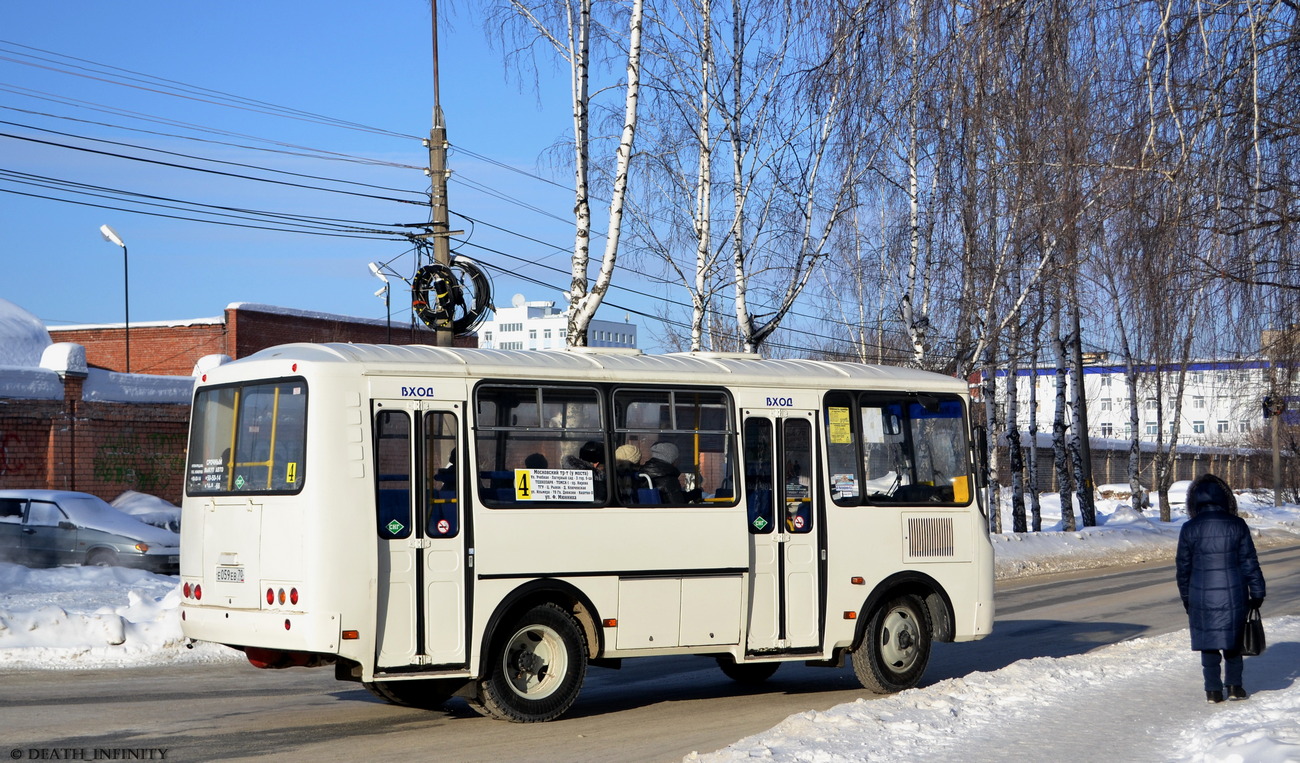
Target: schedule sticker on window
{"type": "Point", "coordinates": [554, 485]}
{"type": "Point", "coordinates": [840, 432]}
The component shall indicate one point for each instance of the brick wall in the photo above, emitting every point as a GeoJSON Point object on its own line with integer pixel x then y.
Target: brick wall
{"type": "Point", "coordinates": [158, 350]}
{"type": "Point", "coordinates": [94, 447]}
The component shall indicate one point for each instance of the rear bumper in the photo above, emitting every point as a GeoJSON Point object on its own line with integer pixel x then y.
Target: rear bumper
{"type": "Point", "coordinates": [291, 631]}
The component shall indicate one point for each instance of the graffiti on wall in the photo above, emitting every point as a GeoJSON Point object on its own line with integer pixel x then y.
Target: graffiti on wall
{"type": "Point", "coordinates": [11, 460]}
{"type": "Point", "coordinates": [145, 462]}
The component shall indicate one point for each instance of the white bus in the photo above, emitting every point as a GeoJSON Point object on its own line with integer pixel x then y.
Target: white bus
{"type": "Point", "coordinates": [488, 523]}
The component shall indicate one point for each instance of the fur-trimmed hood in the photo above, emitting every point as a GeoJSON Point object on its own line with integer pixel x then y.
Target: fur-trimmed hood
{"type": "Point", "coordinates": [1207, 491]}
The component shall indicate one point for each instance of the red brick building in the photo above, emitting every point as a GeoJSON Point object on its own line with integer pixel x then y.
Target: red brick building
{"type": "Point", "coordinates": [172, 348]}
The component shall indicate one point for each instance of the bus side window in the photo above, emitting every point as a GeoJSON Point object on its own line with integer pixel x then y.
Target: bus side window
{"type": "Point", "coordinates": [759, 475]}
{"type": "Point", "coordinates": [393, 475]}
{"type": "Point", "coordinates": [441, 500]}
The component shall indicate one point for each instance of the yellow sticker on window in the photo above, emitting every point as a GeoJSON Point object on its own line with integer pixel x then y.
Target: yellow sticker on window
{"type": "Point", "coordinates": [838, 426]}
{"type": "Point", "coordinates": [291, 472]}
{"type": "Point", "coordinates": [960, 489]}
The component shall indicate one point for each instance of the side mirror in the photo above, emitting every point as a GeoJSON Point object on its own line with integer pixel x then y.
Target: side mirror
{"type": "Point", "coordinates": [980, 447]}
{"type": "Point", "coordinates": [66, 525]}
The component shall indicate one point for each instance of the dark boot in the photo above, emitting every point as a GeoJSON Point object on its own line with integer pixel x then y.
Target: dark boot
{"type": "Point", "coordinates": [1213, 696]}
{"type": "Point", "coordinates": [1237, 692]}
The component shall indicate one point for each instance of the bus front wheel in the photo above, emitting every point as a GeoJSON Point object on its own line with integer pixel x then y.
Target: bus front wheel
{"type": "Point", "coordinates": [896, 646]}
{"type": "Point", "coordinates": [536, 667]}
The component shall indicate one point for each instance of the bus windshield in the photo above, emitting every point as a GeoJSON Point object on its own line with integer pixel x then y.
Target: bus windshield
{"type": "Point", "coordinates": [248, 439]}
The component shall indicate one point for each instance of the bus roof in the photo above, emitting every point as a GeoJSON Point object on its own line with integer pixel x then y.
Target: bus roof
{"type": "Point", "coordinates": [595, 364]}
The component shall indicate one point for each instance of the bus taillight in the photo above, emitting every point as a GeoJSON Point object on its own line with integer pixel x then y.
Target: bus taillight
{"type": "Point", "coordinates": [198, 592]}
{"type": "Point", "coordinates": [293, 595]}
{"type": "Point", "coordinates": [185, 590]}
{"type": "Point", "coordinates": [270, 596]}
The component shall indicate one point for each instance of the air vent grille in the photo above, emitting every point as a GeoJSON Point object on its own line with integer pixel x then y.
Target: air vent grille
{"type": "Point", "coordinates": [929, 537]}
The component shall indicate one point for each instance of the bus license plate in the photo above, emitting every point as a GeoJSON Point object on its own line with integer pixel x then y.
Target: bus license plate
{"type": "Point", "coordinates": [230, 574]}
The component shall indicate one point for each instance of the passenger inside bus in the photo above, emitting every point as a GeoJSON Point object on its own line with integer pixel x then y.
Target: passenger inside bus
{"type": "Point", "coordinates": [590, 458]}
{"type": "Point", "coordinates": [665, 477]}
{"type": "Point", "coordinates": [447, 474]}
{"type": "Point", "coordinates": [627, 462]}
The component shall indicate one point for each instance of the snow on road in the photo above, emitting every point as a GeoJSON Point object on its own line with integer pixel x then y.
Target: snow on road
{"type": "Point", "coordinates": [1136, 700]}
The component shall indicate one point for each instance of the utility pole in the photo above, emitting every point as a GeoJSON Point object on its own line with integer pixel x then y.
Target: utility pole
{"type": "Point", "coordinates": [439, 220]}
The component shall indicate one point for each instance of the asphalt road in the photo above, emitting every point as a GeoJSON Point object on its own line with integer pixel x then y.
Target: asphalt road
{"type": "Point", "coordinates": [657, 709]}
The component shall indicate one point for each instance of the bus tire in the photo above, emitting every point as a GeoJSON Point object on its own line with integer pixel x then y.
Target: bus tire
{"type": "Point", "coordinates": [748, 673]}
{"type": "Point", "coordinates": [425, 694]}
{"type": "Point", "coordinates": [896, 646]}
{"type": "Point", "coordinates": [536, 667]}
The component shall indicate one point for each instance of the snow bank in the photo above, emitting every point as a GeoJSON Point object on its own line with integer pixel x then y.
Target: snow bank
{"type": "Point", "coordinates": [1122, 535]}
{"type": "Point", "coordinates": [1137, 700]}
{"type": "Point", "coordinates": [77, 617]}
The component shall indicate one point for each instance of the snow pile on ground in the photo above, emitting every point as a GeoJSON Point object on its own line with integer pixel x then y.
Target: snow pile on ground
{"type": "Point", "coordinates": [1143, 689]}
{"type": "Point", "coordinates": [79, 617]}
{"type": "Point", "coordinates": [1122, 535]}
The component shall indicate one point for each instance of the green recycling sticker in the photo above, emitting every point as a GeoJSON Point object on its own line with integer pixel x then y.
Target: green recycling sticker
{"type": "Point", "coordinates": [760, 523]}
{"type": "Point", "coordinates": [239, 482]}
{"type": "Point", "coordinates": [395, 527]}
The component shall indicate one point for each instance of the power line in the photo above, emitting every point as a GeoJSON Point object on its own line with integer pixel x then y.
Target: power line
{"type": "Point", "coordinates": [202, 158]}
{"type": "Point", "coordinates": [311, 153]}
{"type": "Point", "coordinates": [178, 217]}
{"type": "Point", "coordinates": [200, 169]}
{"type": "Point", "coordinates": [149, 200]}
{"type": "Point", "coordinates": [162, 86]}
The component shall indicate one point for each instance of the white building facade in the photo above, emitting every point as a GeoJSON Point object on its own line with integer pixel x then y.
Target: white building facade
{"type": "Point", "coordinates": [541, 325]}
{"type": "Point", "coordinates": [1222, 401]}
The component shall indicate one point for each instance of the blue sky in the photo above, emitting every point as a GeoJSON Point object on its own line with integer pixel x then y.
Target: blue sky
{"type": "Point", "coordinates": [363, 63]}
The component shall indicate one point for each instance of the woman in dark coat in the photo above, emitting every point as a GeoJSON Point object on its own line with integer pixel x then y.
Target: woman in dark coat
{"type": "Point", "coordinates": [1219, 580]}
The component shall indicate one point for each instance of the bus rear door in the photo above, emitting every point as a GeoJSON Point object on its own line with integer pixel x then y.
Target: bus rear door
{"type": "Point", "coordinates": [422, 549]}
{"type": "Point", "coordinates": [785, 540]}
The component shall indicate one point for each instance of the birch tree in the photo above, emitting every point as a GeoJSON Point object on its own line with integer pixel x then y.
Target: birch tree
{"type": "Point", "coordinates": [569, 28]}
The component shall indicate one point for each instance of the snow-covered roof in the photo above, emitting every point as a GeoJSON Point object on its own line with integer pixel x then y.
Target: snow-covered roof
{"type": "Point", "coordinates": [22, 337]}
{"type": "Point", "coordinates": [292, 312]}
{"type": "Point", "coordinates": [178, 323]}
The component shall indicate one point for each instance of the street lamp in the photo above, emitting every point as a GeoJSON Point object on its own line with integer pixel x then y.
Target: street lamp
{"type": "Point", "coordinates": [111, 236]}
{"type": "Point", "coordinates": [383, 292]}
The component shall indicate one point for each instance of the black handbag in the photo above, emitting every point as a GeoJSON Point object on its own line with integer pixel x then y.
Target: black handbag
{"type": "Point", "coordinates": [1252, 635]}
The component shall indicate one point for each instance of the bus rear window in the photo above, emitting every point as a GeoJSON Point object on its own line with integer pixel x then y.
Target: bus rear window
{"type": "Point", "coordinates": [249, 438]}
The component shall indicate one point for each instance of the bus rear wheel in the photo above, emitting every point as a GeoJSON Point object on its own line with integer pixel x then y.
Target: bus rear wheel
{"type": "Point", "coordinates": [425, 693]}
{"type": "Point", "coordinates": [748, 673]}
{"type": "Point", "coordinates": [896, 646]}
{"type": "Point", "coordinates": [536, 667]}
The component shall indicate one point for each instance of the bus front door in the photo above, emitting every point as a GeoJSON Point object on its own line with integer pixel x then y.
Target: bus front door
{"type": "Point", "coordinates": [419, 516]}
{"type": "Point", "coordinates": [784, 537]}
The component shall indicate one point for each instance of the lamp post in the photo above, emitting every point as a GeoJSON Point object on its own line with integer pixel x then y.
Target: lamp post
{"type": "Point", "coordinates": [383, 292]}
{"type": "Point", "coordinates": [111, 236]}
